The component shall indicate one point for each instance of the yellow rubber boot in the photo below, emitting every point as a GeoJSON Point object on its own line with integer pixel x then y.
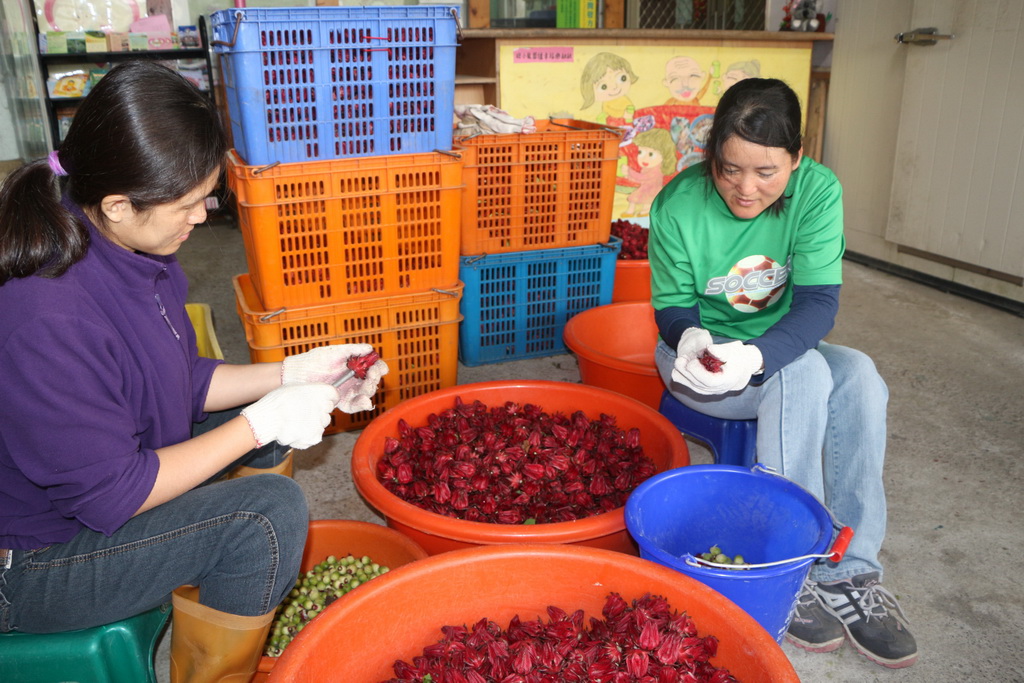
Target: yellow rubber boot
{"type": "Point", "coordinates": [285, 467]}
{"type": "Point", "coordinates": [208, 646]}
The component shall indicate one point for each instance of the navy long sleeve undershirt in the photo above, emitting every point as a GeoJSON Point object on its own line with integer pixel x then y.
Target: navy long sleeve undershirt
{"type": "Point", "coordinates": [811, 316]}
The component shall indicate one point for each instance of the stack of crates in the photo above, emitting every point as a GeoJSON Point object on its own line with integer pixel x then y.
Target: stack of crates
{"type": "Point", "coordinates": [348, 213]}
{"type": "Point", "coordinates": [536, 246]}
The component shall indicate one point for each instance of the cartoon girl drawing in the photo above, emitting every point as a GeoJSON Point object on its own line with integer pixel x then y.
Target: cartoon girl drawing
{"type": "Point", "coordinates": [656, 158]}
{"type": "Point", "coordinates": [607, 79]}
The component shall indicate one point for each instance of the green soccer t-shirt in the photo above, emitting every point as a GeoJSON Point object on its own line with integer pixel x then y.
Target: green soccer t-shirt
{"type": "Point", "coordinates": [741, 272]}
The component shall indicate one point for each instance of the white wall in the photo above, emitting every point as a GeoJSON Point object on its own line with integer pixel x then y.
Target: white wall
{"type": "Point", "coordinates": [862, 128]}
{"type": "Point", "coordinates": [862, 119]}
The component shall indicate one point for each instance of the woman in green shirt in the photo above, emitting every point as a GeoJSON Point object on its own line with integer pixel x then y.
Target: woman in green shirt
{"type": "Point", "coordinates": [746, 264]}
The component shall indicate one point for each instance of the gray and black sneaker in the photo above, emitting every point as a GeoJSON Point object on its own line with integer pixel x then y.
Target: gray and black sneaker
{"type": "Point", "coordinates": [874, 621]}
{"type": "Point", "coordinates": [814, 628]}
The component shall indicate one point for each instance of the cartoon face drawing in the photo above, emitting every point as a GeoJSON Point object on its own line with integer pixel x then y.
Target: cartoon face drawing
{"type": "Point", "coordinates": [648, 157]}
{"type": "Point", "coordinates": [606, 78]}
{"type": "Point", "coordinates": [684, 78]}
{"type": "Point", "coordinates": [740, 71]}
{"type": "Point", "coordinates": [614, 83]}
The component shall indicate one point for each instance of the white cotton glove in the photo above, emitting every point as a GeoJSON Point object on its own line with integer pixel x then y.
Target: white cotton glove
{"type": "Point", "coordinates": [691, 344]}
{"type": "Point", "coordinates": [357, 394]}
{"type": "Point", "coordinates": [293, 415]}
{"type": "Point", "coordinates": [324, 364]}
{"type": "Point", "coordinates": [739, 363]}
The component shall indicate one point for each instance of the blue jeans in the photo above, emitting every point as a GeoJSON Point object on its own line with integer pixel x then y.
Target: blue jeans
{"type": "Point", "coordinates": [821, 424]}
{"type": "Point", "coordinates": [239, 540]}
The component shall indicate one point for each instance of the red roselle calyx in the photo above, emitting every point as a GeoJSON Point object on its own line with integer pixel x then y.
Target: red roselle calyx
{"type": "Point", "coordinates": [617, 647]}
{"type": "Point", "coordinates": [634, 240]}
{"type": "Point", "coordinates": [710, 361]}
{"type": "Point", "coordinates": [513, 464]}
{"type": "Point", "coordinates": [360, 364]}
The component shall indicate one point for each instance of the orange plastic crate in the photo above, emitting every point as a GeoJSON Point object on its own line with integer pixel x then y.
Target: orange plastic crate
{"type": "Point", "coordinates": [544, 190]}
{"type": "Point", "coordinates": [417, 335]}
{"type": "Point", "coordinates": [323, 232]}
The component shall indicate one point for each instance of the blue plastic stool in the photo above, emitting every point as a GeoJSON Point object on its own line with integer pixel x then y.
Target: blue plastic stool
{"type": "Point", "coordinates": [121, 652]}
{"type": "Point", "coordinates": [732, 442]}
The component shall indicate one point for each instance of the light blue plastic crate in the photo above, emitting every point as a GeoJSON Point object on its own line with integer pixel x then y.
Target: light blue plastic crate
{"type": "Point", "coordinates": [515, 305]}
{"type": "Point", "coordinates": [316, 83]}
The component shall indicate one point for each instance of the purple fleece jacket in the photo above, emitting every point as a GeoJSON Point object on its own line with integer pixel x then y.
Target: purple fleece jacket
{"type": "Point", "coordinates": [99, 367]}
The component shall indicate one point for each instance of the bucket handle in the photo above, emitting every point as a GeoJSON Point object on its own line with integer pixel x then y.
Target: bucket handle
{"type": "Point", "coordinates": [836, 524]}
{"type": "Point", "coordinates": [839, 547]}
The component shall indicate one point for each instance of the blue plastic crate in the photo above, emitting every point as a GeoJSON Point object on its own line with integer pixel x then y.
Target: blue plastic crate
{"type": "Point", "coordinates": [515, 305]}
{"type": "Point", "coordinates": [316, 83]}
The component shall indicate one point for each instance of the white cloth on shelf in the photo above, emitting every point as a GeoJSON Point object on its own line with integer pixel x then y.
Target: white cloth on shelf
{"type": "Point", "coordinates": [480, 119]}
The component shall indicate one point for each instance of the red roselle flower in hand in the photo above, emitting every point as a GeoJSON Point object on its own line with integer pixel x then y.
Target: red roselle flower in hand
{"type": "Point", "coordinates": [360, 364]}
{"type": "Point", "coordinates": [710, 361]}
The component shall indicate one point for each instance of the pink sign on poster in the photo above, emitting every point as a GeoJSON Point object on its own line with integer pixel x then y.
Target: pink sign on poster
{"type": "Point", "coordinates": [530, 55]}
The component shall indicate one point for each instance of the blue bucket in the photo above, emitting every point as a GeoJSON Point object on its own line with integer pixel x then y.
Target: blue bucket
{"type": "Point", "coordinates": [679, 514]}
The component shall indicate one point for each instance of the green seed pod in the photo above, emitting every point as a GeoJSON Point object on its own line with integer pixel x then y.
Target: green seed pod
{"type": "Point", "coordinates": [313, 591]}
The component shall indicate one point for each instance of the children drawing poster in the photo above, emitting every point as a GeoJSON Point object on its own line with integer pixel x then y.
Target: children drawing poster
{"type": "Point", "coordinates": [662, 97]}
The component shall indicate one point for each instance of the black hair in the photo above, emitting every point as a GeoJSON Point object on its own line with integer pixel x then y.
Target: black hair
{"type": "Point", "coordinates": [764, 111]}
{"type": "Point", "coordinates": [144, 131]}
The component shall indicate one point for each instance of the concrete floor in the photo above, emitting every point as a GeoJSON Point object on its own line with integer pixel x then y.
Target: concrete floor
{"type": "Point", "coordinates": [954, 475]}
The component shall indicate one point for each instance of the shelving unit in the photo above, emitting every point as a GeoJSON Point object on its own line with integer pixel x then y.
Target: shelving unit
{"type": "Point", "coordinates": [29, 111]}
{"type": "Point", "coordinates": [46, 60]}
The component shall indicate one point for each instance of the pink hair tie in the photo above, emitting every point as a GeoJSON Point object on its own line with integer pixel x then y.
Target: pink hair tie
{"type": "Point", "coordinates": [54, 161]}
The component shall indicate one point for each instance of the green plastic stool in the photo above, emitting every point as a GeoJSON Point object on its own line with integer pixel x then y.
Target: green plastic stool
{"type": "Point", "coordinates": [121, 652]}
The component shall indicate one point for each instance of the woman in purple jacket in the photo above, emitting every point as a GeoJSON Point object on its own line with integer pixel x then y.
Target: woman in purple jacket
{"type": "Point", "coordinates": [103, 511]}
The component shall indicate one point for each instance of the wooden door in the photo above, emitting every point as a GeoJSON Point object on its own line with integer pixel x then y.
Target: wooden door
{"type": "Point", "coordinates": [958, 178]}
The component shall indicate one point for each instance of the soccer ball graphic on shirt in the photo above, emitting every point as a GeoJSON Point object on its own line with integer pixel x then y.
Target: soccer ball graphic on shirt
{"type": "Point", "coordinates": [755, 283]}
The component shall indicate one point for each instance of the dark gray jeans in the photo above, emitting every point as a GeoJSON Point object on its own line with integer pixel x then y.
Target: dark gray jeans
{"type": "Point", "coordinates": [239, 540]}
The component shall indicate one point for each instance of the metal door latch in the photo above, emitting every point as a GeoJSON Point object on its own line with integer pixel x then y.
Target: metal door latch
{"type": "Point", "coordinates": [922, 36]}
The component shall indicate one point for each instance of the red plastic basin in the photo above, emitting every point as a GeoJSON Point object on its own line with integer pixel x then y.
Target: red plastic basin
{"type": "Point", "coordinates": [614, 346]}
{"type": "Point", "coordinates": [395, 616]}
{"type": "Point", "coordinates": [632, 280]}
